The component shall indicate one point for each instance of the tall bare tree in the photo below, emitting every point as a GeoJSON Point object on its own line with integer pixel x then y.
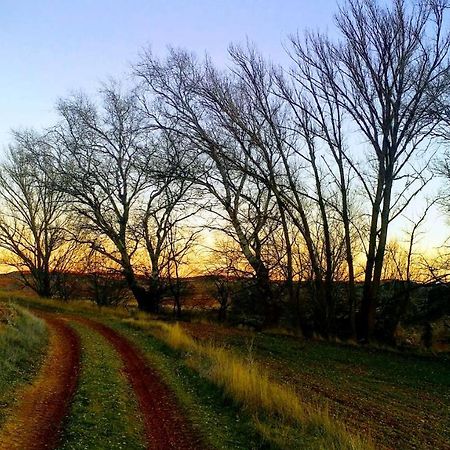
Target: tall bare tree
{"type": "Point", "coordinates": [165, 233]}
{"type": "Point", "coordinates": [387, 71]}
{"type": "Point", "coordinates": [242, 204]}
{"type": "Point", "coordinates": [320, 119]}
{"type": "Point", "coordinates": [279, 149]}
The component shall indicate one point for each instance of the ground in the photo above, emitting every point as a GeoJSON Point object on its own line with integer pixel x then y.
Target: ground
{"type": "Point", "coordinates": [99, 381]}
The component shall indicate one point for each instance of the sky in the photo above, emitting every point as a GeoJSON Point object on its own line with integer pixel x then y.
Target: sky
{"type": "Point", "coordinates": [49, 49]}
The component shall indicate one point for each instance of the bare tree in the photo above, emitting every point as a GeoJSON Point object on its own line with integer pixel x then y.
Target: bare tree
{"type": "Point", "coordinates": [162, 216]}
{"type": "Point", "coordinates": [34, 220]}
{"type": "Point", "coordinates": [104, 282]}
{"type": "Point", "coordinates": [111, 165]}
{"type": "Point", "coordinates": [180, 243]}
{"type": "Point", "coordinates": [388, 72]}
{"type": "Point", "coordinates": [404, 269]}
{"type": "Point", "coordinates": [319, 119]}
{"type": "Point", "coordinates": [280, 151]}
{"type": "Point", "coordinates": [226, 267]}
{"type": "Point", "coordinates": [242, 204]}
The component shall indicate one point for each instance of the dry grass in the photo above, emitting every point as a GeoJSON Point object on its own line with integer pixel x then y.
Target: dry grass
{"type": "Point", "coordinates": [279, 413]}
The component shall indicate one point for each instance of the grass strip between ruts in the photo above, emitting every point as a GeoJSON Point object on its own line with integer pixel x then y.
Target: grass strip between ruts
{"type": "Point", "coordinates": [104, 412]}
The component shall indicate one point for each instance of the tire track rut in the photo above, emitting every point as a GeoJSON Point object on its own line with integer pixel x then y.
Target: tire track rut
{"type": "Point", "coordinates": [36, 421]}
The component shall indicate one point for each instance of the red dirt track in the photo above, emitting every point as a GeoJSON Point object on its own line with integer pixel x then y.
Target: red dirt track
{"type": "Point", "coordinates": [166, 427]}
{"type": "Point", "coordinates": [36, 422]}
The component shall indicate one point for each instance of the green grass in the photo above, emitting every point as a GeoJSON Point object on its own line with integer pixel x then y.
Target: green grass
{"type": "Point", "coordinates": [82, 307]}
{"type": "Point", "coordinates": [351, 362]}
{"type": "Point", "coordinates": [222, 423]}
{"type": "Point", "coordinates": [23, 344]}
{"type": "Point", "coordinates": [104, 412]}
{"type": "Point", "coordinates": [402, 399]}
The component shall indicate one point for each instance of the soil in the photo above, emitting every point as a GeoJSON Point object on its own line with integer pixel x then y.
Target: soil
{"type": "Point", "coordinates": [36, 421]}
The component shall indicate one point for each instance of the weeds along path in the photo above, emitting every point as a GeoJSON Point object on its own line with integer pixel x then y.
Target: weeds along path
{"type": "Point", "coordinates": [165, 425]}
{"type": "Point", "coordinates": [36, 422]}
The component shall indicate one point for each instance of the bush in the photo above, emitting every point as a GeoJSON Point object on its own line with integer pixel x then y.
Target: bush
{"type": "Point", "coordinates": [247, 306]}
{"type": "Point", "coordinates": [107, 289]}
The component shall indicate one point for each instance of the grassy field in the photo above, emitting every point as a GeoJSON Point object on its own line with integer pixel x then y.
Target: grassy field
{"type": "Point", "coordinates": [277, 412]}
{"type": "Point", "coordinates": [246, 390]}
{"type": "Point", "coordinates": [23, 343]}
{"type": "Point", "coordinates": [402, 400]}
{"type": "Point", "coordinates": [103, 414]}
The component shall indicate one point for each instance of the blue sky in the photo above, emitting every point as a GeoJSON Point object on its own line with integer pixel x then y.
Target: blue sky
{"type": "Point", "coordinates": [49, 48]}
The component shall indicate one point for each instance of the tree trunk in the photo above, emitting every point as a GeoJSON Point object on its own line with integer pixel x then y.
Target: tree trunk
{"type": "Point", "coordinates": [375, 256]}
{"type": "Point", "coordinates": [42, 282]}
{"type": "Point", "coordinates": [145, 299]}
{"type": "Point", "coordinates": [326, 287]}
{"type": "Point", "coordinates": [271, 308]}
{"type": "Point", "coordinates": [289, 259]}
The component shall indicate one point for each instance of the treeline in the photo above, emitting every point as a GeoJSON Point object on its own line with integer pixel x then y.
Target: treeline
{"type": "Point", "coordinates": [301, 169]}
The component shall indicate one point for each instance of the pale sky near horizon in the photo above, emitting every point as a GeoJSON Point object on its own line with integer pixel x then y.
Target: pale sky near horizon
{"type": "Point", "coordinates": [49, 48]}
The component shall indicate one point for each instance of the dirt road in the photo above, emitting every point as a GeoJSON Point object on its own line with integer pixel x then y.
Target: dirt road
{"type": "Point", "coordinates": [165, 425]}
{"type": "Point", "coordinates": [36, 422]}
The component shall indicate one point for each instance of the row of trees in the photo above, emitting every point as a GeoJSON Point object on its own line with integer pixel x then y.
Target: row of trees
{"type": "Point", "coordinates": [302, 169]}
